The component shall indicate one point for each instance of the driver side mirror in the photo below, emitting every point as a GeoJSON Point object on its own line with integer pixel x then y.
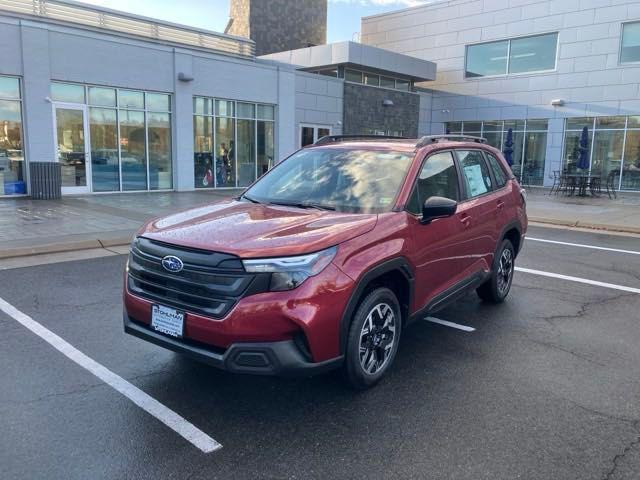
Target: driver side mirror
{"type": "Point", "coordinates": [437, 207]}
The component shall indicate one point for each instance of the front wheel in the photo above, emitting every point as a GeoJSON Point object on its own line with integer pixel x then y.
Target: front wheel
{"type": "Point", "coordinates": [497, 287]}
{"type": "Point", "coordinates": [373, 339]}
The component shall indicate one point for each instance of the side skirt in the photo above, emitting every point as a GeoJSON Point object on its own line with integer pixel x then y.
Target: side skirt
{"type": "Point", "coordinates": [450, 295]}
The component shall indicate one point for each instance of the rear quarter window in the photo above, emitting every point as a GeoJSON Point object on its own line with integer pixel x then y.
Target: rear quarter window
{"type": "Point", "coordinates": [498, 172]}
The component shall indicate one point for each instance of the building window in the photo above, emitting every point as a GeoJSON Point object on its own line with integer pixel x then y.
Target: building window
{"type": "Point", "coordinates": [529, 143]}
{"type": "Point", "coordinates": [375, 80]}
{"type": "Point", "coordinates": [630, 45]}
{"type": "Point", "coordinates": [12, 163]}
{"type": "Point", "coordinates": [614, 148]}
{"type": "Point", "coordinates": [309, 134]}
{"type": "Point", "coordinates": [353, 76]}
{"type": "Point", "coordinates": [518, 55]}
{"type": "Point", "coordinates": [129, 137]}
{"type": "Point", "coordinates": [233, 142]}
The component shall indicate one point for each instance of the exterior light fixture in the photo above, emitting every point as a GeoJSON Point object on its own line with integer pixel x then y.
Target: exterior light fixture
{"type": "Point", "coordinates": [183, 77]}
{"type": "Point", "coordinates": [387, 103]}
{"type": "Point", "coordinates": [558, 102]}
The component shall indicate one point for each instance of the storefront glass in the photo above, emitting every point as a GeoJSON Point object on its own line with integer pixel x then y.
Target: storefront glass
{"type": "Point", "coordinates": [12, 164]}
{"type": "Point", "coordinates": [529, 143]}
{"type": "Point", "coordinates": [105, 168]}
{"type": "Point", "coordinates": [233, 142]}
{"type": "Point", "coordinates": [614, 148]}
{"type": "Point", "coordinates": [129, 136]}
{"type": "Point", "coordinates": [159, 135]}
{"type": "Point", "coordinates": [132, 150]}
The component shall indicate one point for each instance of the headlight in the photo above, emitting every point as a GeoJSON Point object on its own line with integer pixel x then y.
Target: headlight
{"type": "Point", "coordinates": [289, 272]}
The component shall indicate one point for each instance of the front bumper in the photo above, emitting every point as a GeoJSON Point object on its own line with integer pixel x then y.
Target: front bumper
{"type": "Point", "coordinates": [282, 358]}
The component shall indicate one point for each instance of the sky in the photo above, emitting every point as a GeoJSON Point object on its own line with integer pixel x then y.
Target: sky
{"type": "Point", "coordinates": [343, 15]}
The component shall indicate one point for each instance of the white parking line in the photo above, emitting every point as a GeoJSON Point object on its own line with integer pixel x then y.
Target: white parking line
{"type": "Point", "coordinates": [581, 245]}
{"type": "Point", "coordinates": [579, 280]}
{"type": "Point", "coordinates": [450, 324]}
{"type": "Point", "coordinates": [149, 404]}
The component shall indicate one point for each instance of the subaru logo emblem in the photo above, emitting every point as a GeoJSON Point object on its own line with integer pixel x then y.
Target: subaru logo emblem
{"type": "Point", "coordinates": [172, 264]}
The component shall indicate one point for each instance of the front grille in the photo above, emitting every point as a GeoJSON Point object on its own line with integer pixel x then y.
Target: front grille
{"type": "Point", "coordinates": [210, 283]}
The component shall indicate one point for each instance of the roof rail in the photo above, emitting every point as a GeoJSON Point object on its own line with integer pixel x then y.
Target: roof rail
{"type": "Point", "coordinates": [427, 139]}
{"type": "Point", "coordinates": [327, 139]}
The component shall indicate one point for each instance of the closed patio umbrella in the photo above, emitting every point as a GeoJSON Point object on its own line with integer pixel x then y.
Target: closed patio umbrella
{"type": "Point", "coordinates": [583, 150]}
{"type": "Point", "coordinates": [508, 147]}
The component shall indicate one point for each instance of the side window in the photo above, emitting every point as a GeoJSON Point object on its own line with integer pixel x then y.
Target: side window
{"type": "Point", "coordinates": [498, 172]}
{"type": "Point", "coordinates": [437, 178]}
{"type": "Point", "coordinates": [475, 172]}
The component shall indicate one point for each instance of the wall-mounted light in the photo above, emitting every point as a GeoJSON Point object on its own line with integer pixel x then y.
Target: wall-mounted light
{"type": "Point", "coordinates": [387, 102]}
{"type": "Point", "coordinates": [48, 99]}
{"type": "Point", "coordinates": [183, 77]}
{"type": "Point", "coordinates": [558, 102]}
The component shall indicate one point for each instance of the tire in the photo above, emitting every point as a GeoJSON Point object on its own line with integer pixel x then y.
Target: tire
{"type": "Point", "coordinates": [364, 367]}
{"type": "Point", "coordinates": [497, 287]}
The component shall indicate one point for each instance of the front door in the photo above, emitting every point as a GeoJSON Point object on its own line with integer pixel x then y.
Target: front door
{"type": "Point", "coordinates": [441, 248]}
{"type": "Point", "coordinates": [72, 148]}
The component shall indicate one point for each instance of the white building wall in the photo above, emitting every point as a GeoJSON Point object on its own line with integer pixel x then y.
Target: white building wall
{"type": "Point", "coordinates": [40, 52]}
{"type": "Point", "coordinates": [588, 77]}
{"type": "Point", "coordinates": [318, 101]}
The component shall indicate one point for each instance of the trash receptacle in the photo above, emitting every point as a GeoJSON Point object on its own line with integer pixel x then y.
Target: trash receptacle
{"type": "Point", "coordinates": [45, 180]}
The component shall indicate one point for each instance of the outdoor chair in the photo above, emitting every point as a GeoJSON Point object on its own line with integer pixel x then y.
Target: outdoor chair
{"type": "Point", "coordinates": [611, 184]}
{"type": "Point", "coordinates": [557, 180]}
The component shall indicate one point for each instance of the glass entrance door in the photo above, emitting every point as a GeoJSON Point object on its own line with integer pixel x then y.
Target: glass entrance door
{"type": "Point", "coordinates": [72, 148]}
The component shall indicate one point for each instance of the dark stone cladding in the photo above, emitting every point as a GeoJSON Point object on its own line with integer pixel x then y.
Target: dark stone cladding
{"type": "Point", "coordinates": [280, 25]}
{"type": "Point", "coordinates": [363, 110]}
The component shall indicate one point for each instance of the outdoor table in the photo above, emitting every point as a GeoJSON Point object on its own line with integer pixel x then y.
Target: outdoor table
{"type": "Point", "coordinates": [584, 181]}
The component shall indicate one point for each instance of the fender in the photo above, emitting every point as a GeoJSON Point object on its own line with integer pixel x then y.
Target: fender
{"type": "Point", "coordinates": [400, 264]}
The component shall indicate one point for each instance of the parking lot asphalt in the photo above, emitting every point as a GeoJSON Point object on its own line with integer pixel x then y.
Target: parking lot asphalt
{"type": "Point", "coordinates": [547, 386]}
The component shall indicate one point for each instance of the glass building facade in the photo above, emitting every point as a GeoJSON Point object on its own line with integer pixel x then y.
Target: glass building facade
{"type": "Point", "coordinates": [12, 159]}
{"type": "Point", "coordinates": [529, 143]}
{"type": "Point", "coordinates": [233, 142]}
{"type": "Point", "coordinates": [129, 138]}
{"type": "Point", "coordinates": [614, 148]}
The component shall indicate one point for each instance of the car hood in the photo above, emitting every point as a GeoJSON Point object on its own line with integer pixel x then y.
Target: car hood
{"type": "Point", "coordinates": [252, 230]}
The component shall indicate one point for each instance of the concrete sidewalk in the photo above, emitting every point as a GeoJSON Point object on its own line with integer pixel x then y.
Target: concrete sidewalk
{"type": "Point", "coordinates": [30, 227]}
{"type": "Point", "coordinates": [600, 213]}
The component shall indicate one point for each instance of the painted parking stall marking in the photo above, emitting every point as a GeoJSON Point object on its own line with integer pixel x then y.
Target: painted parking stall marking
{"type": "Point", "coordinates": [581, 245]}
{"type": "Point", "coordinates": [578, 280]}
{"type": "Point", "coordinates": [464, 328]}
{"type": "Point", "coordinates": [149, 404]}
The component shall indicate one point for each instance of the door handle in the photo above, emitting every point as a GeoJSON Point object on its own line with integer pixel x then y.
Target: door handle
{"type": "Point", "coordinates": [500, 205]}
{"type": "Point", "coordinates": [465, 220]}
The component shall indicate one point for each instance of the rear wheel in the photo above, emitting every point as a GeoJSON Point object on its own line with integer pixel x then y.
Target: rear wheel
{"type": "Point", "coordinates": [373, 339]}
{"type": "Point", "coordinates": [497, 287]}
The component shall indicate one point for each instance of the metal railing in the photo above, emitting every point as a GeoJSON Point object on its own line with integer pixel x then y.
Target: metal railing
{"type": "Point", "coordinates": [106, 19]}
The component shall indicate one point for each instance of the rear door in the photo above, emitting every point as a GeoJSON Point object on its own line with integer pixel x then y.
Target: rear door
{"type": "Point", "coordinates": [478, 209]}
{"type": "Point", "coordinates": [505, 208]}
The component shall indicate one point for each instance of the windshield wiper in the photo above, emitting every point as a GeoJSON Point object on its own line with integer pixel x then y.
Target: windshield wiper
{"type": "Point", "coordinates": [247, 197]}
{"type": "Point", "coordinates": [318, 206]}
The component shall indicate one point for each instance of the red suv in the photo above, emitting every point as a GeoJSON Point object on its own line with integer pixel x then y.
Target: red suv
{"type": "Point", "coordinates": [327, 258]}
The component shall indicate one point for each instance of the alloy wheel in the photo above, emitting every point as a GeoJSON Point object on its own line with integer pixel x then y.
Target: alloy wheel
{"type": "Point", "coordinates": [377, 338]}
{"type": "Point", "coordinates": [505, 270]}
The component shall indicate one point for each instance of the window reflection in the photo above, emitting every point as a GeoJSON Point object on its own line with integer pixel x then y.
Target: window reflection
{"type": "Point", "coordinates": [105, 170]}
{"type": "Point", "coordinates": [159, 135]}
{"type": "Point", "coordinates": [132, 150]}
{"type": "Point", "coordinates": [11, 153]}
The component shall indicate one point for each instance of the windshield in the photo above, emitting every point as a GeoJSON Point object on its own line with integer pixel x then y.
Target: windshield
{"type": "Point", "coordinates": [363, 181]}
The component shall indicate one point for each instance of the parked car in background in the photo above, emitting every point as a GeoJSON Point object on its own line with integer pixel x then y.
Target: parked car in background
{"type": "Point", "coordinates": [326, 259]}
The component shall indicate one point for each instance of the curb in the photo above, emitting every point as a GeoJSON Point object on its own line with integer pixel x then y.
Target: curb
{"type": "Point", "coordinates": [590, 226]}
{"type": "Point", "coordinates": [60, 247]}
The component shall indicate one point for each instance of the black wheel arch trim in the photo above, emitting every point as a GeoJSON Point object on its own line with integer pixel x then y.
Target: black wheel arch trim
{"type": "Point", "coordinates": [400, 264]}
{"type": "Point", "coordinates": [513, 225]}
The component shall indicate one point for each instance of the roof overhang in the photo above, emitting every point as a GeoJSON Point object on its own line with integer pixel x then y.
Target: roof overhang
{"type": "Point", "coordinates": [357, 55]}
